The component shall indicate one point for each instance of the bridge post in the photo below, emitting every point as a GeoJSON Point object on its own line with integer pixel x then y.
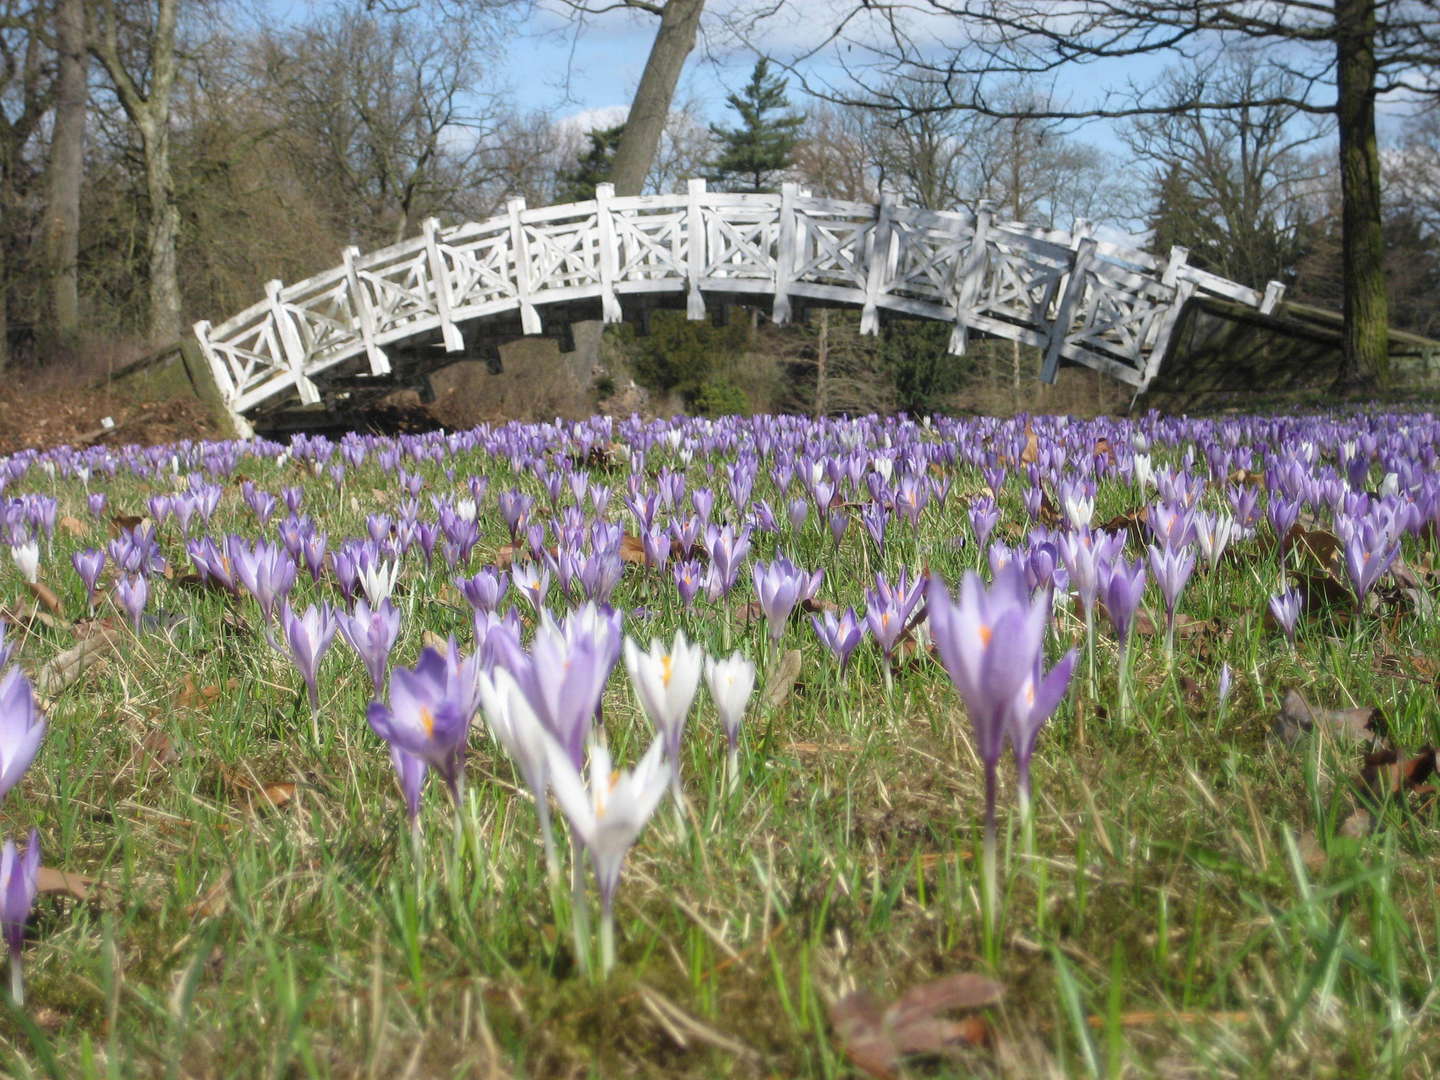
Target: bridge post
{"type": "Point", "coordinates": [440, 285]}
{"type": "Point", "coordinates": [1274, 293]}
{"type": "Point", "coordinates": [1070, 301]}
{"type": "Point", "coordinates": [785, 255]}
{"type": "Point", "coordinates": [291, 347]}
{"type": "Point", "coordinates": [970, 277]}
{"type": "Point", "coordinates": [1159, 342]}
{"type": "Point", "coordinates": [607, 254]}
{"type": "Point", "coordinates": [878, 265]}
{"type": "Point", "coordinates": [364, 314]}
{"type": "Point", "coordinates": [520, 253]}
{"type": "Point", "coordinates": [696, 247]}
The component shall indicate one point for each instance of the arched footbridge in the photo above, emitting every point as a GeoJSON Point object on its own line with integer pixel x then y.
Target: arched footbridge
{"type": "Point", "coordinates": [1078, 298]}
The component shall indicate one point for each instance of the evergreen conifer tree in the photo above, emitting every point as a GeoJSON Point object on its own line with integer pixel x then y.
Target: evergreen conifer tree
{"type": "Point", "coordinates": [593, 167]}
{"type": "Point", "coordinates": [753, 153]}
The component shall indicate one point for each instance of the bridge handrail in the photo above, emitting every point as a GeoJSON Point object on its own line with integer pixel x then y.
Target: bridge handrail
{"type": "Point", "coordinates": [1079, 298]}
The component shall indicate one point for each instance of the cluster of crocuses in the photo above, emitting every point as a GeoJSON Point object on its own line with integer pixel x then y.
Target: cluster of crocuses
{"type": "Point", "coordinates": [707, 503]}
{"type": "Point", "coordinates": [543, 705]}
{"type": "Point", "coordinates": [21, 728]}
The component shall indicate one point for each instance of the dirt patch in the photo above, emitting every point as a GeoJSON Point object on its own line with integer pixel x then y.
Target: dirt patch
{"type": "Point", "coordinates": [54, 407]}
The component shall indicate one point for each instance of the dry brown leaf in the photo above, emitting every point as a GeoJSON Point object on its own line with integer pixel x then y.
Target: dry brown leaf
{"type": "Point", "coordinates": [213, 900]}
{"type": "Point", "coordinates": [1297, 717]}
{"type": "Point", "coordinates": [46, 598]}
{"type": "Point", "coordinates": [74, 526]}
{"type": "Point", "coordinates": [272, 796]}
{"type": "Point", "coordinates": [782, 680]}
{"type": "Point", "coordinates": [1387, 773]}
{"type": "Point", "coordinates": [120, 522]}
{"type": "Point", "coordinates": [632, 550]}
{"type": "Point", "coordinates": [877, 1037]}
{"type": "Point", "coordinates": [1146, 1017]}
{"type": "Point", "coordinates": [64, 668]}
{"type": "Point", "coordinates": [62, 883]}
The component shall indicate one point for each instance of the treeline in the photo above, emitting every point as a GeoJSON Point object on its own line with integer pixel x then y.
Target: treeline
{"type": "Point", "coordinates": [160, 160]}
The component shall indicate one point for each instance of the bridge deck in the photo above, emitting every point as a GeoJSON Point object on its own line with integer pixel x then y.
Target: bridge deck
{"type": "Point", "coordinates": [1081, 300]}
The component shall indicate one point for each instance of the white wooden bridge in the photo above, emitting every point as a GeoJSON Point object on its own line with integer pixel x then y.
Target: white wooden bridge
{"type": "Point", "coordinates": [1078, 298]}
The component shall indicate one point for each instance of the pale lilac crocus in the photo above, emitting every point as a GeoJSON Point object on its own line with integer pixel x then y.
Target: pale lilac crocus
{"type": "Point", "coordinates": [1171, 567]}
{"type": "Point", "coordinates": [607, 810]}
{"type": "Point", "coordinates": [841, 636]}
{"type": "Point", "coordinates": [19, 882]}
{"type": "Point", "coordinates": [1285, 607]}
{"type": "Point", "coordinates": [310, 635]}
{"type": "Point", "coordinates": [429, 713]}
{"type": "Point", "coordinates": [1033, 705]}
{"type": "Point", "coordinates": [21, 728]}
{"type": "Point", "coordinates": [988, 641]}
{"type": "Point", "coordinates": [132, 591]}
{"type": "Point", "coordinates": [778, 587]}
{"type": "Point", "coordinates": [371, 632]}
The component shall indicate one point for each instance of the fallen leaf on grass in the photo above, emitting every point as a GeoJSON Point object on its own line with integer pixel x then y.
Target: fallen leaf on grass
{"type": "Point", "coordinates": [876, 1037]}
{"type": "Point", "coordinates": [213, 900]}
{"type": "Point", "coordinates": [46, 598]}
{"type": "Point", "coordinates": [1146, 1017]}
{"type": "Point", "coordinates": [192, 697]}
{"type": "Point", "coordinates": [62, 883]}
{"type": "Point", "coordinates": [1388, 774]}
{"type": "Point", "coordinates": [74, 526]}
{"type": "Point", "coordinates": [63, 669]}
{"type": "Point", "coordinates": [29, 619]}
{"type": "Point", "coordinates": [271, 796]}
{"type": "Point", "coordinates": [1297, 717]}
{"type": "Point", "coordinates": [782, 680]}
{"type": "Point", "coordinates": [122, 522]}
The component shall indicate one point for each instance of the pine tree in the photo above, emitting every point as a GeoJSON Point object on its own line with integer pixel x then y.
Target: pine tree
{"type": "Point", "coordinates": [760, 147]}
{"type": "Point", "coordinates": [592, 167]}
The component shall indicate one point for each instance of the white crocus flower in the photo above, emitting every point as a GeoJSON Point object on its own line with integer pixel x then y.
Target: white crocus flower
{"type": "Point", "coordinates": [466, 510]}
{"type": "Point", "coordinates": [665, 681]}
{"type": "Point", "coordinates": [730, 681]}
{"type": "Point", "coordinates": [1079, 508]}
{"type": "Point", "coordinates": [1142, 471]}
{"type": "Point", "coordinates": [532, 581]}
{"type": "Point", "coordinates": [607, 810]}
{"type": "Point", "coordinates": [27, 558]}
{"type": "Point", "coordinates": [377, 579]}
{"type": "Point", "coordinates": [516, 727]}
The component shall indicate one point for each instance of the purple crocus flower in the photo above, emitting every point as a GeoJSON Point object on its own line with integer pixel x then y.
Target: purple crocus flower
{"type": "Point", "coordinates": [310, 635]}
{"type": "Point", "coordinates": [132, 590]}
{"type": "Point", "coordinates": [1370, 549]}
{"type": "Point", "coordinates": [990, 642]}
{"type": "Point", "coordinates": [88, 564]}
{"type": "Point", "coordinates": [1285, 607]}
{"type": "Point", "coordinates": [779, 586]}
{"type": "Point", "coordinates": [1172, 567]}
{"type": "Point", "coordinates": [371, 632]}
{"type": "Point", "coordinates": [484, 591]}
{"type": "Point", "coordinates": [689, 576]}
{"type": "Point", "coordinates": [264, 569]}
{"type": "Point", "coordinates": [19, 882]}
{"type": "Point", "coordinates": [21, 728]}
{"type": "Point", "coordinates": [1122, 584]}
{"type": "Point", "coordinates": [429, 713]}
{"type": "Point", "coordinates": [841, 636]}
{"type": "Point", "coordinates": [1036, 699]}
{"type": "Point", "coordinates": [888, 608]}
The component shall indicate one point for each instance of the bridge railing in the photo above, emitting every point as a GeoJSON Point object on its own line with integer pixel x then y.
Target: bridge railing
{"type": "Point", "coordinates": [1079, 298]}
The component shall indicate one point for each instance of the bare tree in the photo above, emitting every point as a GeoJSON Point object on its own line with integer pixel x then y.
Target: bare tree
{"type": "Point", "coordinates": [1360, 50]}
{"type": "Point", "coordinates": [136, 45]}
{"type": "Point", "coordinates": [25, 95]}
{"type": "Point", "coordinates": [650, 108]}
{"type": "Point", "coordinates": [1237, 181]}
{"type": "Point", "coordinates": [389, 119]}
{"type": "Point", "coordinates": [66, 171]}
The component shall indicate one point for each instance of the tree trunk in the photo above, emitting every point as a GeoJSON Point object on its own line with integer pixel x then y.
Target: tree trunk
{"type": "Point", "coordinates": [822, 362]}
{"type": "Point", "coordinates": [162, 235]}
{"type": "Point", "coordinates": [651, 107]}
{"type": "Point", "coordinates": [1367, 314]}
{"type": "Point", "coordinates": [65, 172]}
